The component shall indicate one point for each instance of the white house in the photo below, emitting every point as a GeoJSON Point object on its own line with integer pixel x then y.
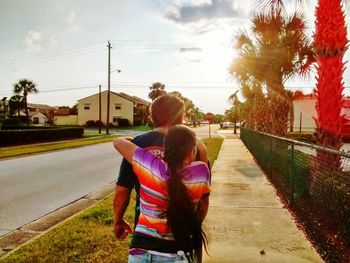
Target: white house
{"type": "Point", "coordinates": [305, 111]}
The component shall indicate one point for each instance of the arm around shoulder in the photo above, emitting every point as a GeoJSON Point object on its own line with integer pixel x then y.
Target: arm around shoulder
{"type": "Point", "coordinates": [125, 147]}
{"type": "Point", "coordinates": [202, 151]}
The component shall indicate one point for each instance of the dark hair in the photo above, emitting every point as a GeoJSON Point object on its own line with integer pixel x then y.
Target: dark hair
{"type": "Point", "coordinates": [181, 217]}
{"type": "Point", "coordinates": [167, 110]}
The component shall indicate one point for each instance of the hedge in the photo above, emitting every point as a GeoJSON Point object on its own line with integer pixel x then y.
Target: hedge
{"type": "Point", "coordinates": [8, 137]}
{"type": "Point", "coordinates": [123, 123]}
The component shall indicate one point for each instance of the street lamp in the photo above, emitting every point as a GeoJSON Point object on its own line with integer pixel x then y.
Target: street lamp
{"type": "Point", "coordinates": [109, 96]}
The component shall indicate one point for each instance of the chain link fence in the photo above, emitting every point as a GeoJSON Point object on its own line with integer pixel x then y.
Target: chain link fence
{"type": "Point", "coordinates": [315, 182]}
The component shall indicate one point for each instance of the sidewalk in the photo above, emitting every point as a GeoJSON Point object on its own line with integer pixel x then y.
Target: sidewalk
{"type": "Point", "coordinates": [246, 221]}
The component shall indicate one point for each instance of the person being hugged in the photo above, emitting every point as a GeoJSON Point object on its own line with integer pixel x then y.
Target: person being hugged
{"type": "Point", "coordinates": [169, 228]}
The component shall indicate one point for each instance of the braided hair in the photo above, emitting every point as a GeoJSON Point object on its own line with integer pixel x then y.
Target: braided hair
{"type": "Point", "coordinates": [181, 217]}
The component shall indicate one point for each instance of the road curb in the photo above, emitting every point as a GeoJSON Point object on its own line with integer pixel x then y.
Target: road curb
{"type": "Point", "coordinates": [25, 234]}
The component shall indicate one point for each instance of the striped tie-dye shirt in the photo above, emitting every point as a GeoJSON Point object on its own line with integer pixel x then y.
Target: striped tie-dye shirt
{"type": "Point", "coordinates": [152, 174]}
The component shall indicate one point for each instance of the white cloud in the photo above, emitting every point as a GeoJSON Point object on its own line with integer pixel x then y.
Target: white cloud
{"type": "Point", "coordinates": [32, 41]}
{"type": "Point", "coordinates": [71, 21]}
{"type": "Point", "coordinates": [52, 40]}
{"type": "Point", "coordinates": [193, 11]}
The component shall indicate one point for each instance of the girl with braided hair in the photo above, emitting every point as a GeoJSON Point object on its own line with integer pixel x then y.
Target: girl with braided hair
{"type": "Point", "coordinates": [169, 227]}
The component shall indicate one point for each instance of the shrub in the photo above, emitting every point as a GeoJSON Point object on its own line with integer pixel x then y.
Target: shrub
{"type": "Point", "coordinates": [308, 137]}
{"type": "Point", "coordinates": [98, 122]}
{"type": "Point", "coordinates": [90, 123]}
{"type": "Point", "coordinates": [332, 194]}
{"type": "Point", "coordinates": [8, 137]}
{"type": "Point", "coordinates": [123, 123]}
{"type": "Point", "coordinates": [11, 123]}
{"type": "Point", "coordinates": [346, 231]}
{"type": "Point", "coordinates": [137, 123]}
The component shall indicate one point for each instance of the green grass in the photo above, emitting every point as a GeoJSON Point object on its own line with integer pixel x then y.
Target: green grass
{"type": "Point", "coordinates": [6, 152]}
{"type": "Point", "coordinates": [92, 134]}
{"type": "Point", "coordinates": [213, 146]}
{"type": "Point", "coordinates": [88, 237]}
{"type": "Point", "coordinates": [135, 128]}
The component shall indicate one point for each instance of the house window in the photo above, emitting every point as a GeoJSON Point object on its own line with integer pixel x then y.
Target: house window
{"type": "Point", "coordinates": [118, 106]}
{"type": "Point", "coordinates": [115, 119]}
{"type": "Point", "coordinates": [86, 106]}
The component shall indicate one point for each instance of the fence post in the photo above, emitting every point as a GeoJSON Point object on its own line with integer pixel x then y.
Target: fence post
{"type": "Point", "coordinates": [270, 156]}
{"type": "Point", "coordinates": [292, 175]}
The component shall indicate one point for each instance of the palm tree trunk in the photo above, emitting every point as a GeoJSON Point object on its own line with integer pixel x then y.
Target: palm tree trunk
{"type": "Point", "coordinates": [26, 107]}
{"type": "Point", "coordinates": [279, 107]}
{"type": "Point", "coordinates": [331, 43]}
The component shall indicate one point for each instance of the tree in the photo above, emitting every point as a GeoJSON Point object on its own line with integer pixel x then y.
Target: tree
{"type": "Point", "coordinates": [157, 90]}
{"type": "Point", "coordinates": [25, 87]}
{"type": "Point", "coordinates": [330, 41]}
{"type": "Point", "coordinates": [219, 118]}
{"type": "Point", "coordinates": [278, 51]}
{"type": "Point", "coordinates": [189, 105]}
{"type": "Point", "coordinates": [16, 103]}
{"type": "Point", "coordinates": [198, 116]}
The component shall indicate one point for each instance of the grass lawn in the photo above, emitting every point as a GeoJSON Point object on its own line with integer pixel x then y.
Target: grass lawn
{"type": "Point", "coordinates": [87, 237]}
{"type": "Point", "coordinates": [213, 146]}
{"type": "Point", "coordinates": [37, 148]}
{"type": "Point", "coordinates": [135, 128]}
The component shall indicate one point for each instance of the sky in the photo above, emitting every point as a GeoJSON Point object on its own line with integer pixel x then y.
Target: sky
{"type": "Point", "coordinates": [186, 44]}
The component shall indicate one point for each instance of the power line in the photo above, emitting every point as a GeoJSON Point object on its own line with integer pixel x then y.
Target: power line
{"type": "Point", "coordinates": [58, 52]}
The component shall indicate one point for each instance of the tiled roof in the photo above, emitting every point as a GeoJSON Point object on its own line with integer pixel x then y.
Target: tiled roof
{"type": "Point", "coordinates": [142, 101]}
{"type": "Point", "coordinates": [62, 112]}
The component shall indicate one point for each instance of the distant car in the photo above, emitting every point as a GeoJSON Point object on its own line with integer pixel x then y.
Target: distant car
{"type": "Point", "coordinates": [228, 124]}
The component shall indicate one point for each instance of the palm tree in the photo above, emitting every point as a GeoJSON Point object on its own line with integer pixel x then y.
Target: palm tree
{"type": "Point", "coordinates": [25, 87]}
{"type": "Point", "coordinates": [280, 50]}
{"type": "Point", "coordinates": [157, 90]}
{"type": "Point", "coordinates": [330, 41]}
{"type": "Point", "coordinates": [16, 103]}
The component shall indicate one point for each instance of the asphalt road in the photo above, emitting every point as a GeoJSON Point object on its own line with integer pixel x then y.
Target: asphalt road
{"type": "Point", "coordinates": [203, 131]}
{"type": "Point", "coordinates": [33, 186]}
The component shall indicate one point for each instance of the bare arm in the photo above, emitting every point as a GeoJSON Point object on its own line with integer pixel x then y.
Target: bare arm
{"type": "Point", "coordinates": [120, 203]}
{"type": "Point", "coordinates": [125, 147]}
{"type": "Point", "coordinates": [202, 152]}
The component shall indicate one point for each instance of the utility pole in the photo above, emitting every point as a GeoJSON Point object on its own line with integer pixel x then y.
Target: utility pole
{"type": "Point", "coordinates": [99, 110]}
{"type": "Point", "coordinates": [109, 85]}
{"type": "Point", "coordinates": [235, 124]}
{"type": "Point", "coordinates": [234, 96]}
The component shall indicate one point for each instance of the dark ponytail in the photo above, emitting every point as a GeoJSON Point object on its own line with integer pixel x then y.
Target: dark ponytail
{"type": "Point", "coordinates": [181, 216]}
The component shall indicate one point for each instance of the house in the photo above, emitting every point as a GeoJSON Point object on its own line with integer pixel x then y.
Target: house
{"type": "Point", "coordinates": [44, 109]}
{"type": "Point", "coordinates": [4, 107]}
{"type": "Point", "coordinates": [37, 117]}
{"type": "Point", "coordinates": [122, 106]}
{"type": "Point", "coordinates": [141, 109]}
{"type": "Point", "coordinates": [65, 116]}
{"type": "Point", "coordinates": [305, 111]}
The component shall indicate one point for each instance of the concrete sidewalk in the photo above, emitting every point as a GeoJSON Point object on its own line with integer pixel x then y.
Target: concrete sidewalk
{"type": "Point", "coordinates": [246, 221]}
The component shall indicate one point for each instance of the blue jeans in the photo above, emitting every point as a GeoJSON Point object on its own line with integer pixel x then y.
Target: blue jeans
{"type": "Point", "coordinates": [149, 258]}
